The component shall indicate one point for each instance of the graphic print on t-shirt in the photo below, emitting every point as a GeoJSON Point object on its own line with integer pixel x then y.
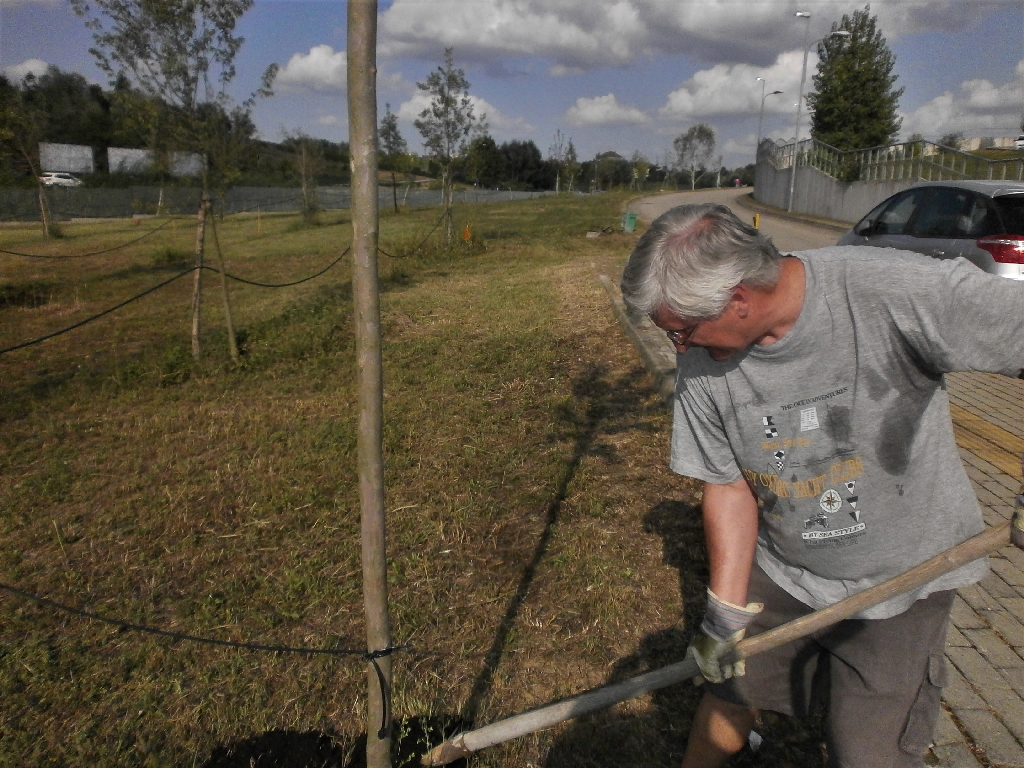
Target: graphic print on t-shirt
{"type": "Point", "coordinates": [811, 462]}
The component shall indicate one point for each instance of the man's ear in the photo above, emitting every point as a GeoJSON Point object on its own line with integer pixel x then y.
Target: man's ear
{"type": "Point", "coordinates": [740, 301]}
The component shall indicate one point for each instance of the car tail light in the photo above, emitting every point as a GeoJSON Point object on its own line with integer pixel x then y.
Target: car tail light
{"type": "Point", "coordinates": [1006, 249]}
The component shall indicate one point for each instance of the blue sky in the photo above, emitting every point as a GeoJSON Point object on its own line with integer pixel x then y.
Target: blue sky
{"type": "Point", "coordinates": [626, 75]}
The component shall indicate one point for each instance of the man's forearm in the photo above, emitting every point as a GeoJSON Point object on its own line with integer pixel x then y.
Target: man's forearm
{"type": "Point", "coordinates": [730, 530]}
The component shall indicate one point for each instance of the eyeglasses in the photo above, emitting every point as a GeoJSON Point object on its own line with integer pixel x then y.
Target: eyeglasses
{"type": "Point", "coordinates": [682, 336]}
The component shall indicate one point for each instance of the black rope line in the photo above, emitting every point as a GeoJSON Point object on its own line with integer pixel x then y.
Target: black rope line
{"type": "Point", "coordinates": [368, 656]}
{"type": "Point", "coordinates": [276, 285]}
{"type": "Point", "coordinates": [410, 252]}
{"type": "Point", "coordinates": [92, 253]}
{"type": "Point", "coordinates": [80, 323]}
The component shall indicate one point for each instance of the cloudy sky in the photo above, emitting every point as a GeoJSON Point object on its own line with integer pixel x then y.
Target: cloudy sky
{"type": "Point", "coordinates": [625, 75]}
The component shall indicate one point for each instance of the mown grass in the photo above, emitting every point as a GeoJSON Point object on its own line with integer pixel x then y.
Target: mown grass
{"type": "Point", "coordinates": [537, 543]}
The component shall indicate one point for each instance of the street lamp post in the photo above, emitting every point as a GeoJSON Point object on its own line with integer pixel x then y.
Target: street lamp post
{"type": "Point", "coordinates": [800, 97]}
{"type": "Point", "coordinates": [760, 118]}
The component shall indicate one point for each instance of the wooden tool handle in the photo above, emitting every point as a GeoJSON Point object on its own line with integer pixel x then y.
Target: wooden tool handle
{"type": "Point", "coordinates": [547, 716]}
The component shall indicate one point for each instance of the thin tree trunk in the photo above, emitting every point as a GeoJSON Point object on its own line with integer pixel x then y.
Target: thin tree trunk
{"type": "Point", "coordinates": [44, 210]}
{"type": "Point", "coordinates": [446, 195]}
{"type": "Point", "coordinates": [362, 100]}
{"type": "Point", "coordinates": [394, 190]}
{"type": "Point", "coordinates": [197, 281]}
{"type": "Point", "coordinates": [232, 341]}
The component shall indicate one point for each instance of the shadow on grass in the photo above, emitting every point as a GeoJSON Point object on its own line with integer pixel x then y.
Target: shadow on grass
{"type": "Point", "coordinates": [607, 407]}
{"type": "Point", "coordinates": [657, 735]}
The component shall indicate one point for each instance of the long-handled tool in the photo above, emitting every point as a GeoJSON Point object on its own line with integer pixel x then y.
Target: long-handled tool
{"type": "Point", "coordinates": [547, 716]}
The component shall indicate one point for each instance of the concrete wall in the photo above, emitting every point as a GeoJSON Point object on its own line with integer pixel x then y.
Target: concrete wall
{"type": "Point", "coordinates": [820, 195]}
{"type": "Point", "coordinates": [183, 164]}
{"type": "Point", "coordinates": [65, 158]}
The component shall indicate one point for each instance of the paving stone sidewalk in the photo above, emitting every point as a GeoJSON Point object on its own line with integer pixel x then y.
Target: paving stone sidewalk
{"type": "Point", "coordinates": [982, 722]}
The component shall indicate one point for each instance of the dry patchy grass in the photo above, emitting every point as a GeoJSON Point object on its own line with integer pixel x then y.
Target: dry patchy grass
{"type": "Point", "coordinates": [538, 545]}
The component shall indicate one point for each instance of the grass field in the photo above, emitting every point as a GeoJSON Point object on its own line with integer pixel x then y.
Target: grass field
{"type": "Point", "coordinates": [538, 545]}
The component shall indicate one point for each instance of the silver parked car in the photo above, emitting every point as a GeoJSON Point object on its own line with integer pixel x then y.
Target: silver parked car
{"type": "Point", "coordinates": [52, 179]}
{"type": "Point", "coordinates": [982, 221]}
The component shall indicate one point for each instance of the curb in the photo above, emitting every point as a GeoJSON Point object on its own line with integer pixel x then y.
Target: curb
{"type": "Point", "coordinates": [658, 360]}
{"type": "Point", "coordinates": [747, 201]}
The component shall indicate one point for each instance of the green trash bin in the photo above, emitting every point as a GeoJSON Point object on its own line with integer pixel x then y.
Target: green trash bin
{"type": "Point", "coordinates": [628, 222]}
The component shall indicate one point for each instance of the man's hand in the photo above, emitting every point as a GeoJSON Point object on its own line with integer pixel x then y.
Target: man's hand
{"type": "Point", "coordinates": [723, 627]}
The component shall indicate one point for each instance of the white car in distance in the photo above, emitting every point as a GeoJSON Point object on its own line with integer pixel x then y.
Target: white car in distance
{"type": "Point", "coordinates": [59, 180]}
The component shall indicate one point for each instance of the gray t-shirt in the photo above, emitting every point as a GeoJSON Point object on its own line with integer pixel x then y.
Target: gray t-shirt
{"type": "Point", "coordinates": [842, 427]}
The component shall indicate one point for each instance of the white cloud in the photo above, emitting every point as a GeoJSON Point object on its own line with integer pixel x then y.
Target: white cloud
{"type": "Point", "coordinates": [501, 126]}
{"type": "Point", "coordinates": [328, 120]}
{"type": "Point", "coordinates": [980, 109]}
{"type": "Point", "coordinates": [560, 70]}
{"type": "Point", "coordinates": [16, 72]}
{"type": "Point", "coordinates": [603, 110]}
{"type": "Point", "coordinates": [734, 89]}
{"type": "Point", "coordinates": [322, 69]}
{"type": "Point", "coordinates": [583, 34]}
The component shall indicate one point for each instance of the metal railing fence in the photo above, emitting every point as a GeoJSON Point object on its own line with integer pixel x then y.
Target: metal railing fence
{"type": "Point", "coordinates": [912, 160]}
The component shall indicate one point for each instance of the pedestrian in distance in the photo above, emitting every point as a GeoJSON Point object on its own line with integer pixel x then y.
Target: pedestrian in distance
{"type": "Point", "coordinates": [810, 401]}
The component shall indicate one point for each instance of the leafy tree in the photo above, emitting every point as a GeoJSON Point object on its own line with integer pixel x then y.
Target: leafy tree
{"type": "Point", "coordinates": [855, 101]}
{"type": "Point", "coordinates": [24, 123]}
{"type": "Point", "coordinates": [448, 122]}
{"type": "Point", "coordinates": [393, 149]}
{"type": "Point", "coordinates": [524, 165]}
{"type": "Point", "coordinates": [181, 53]}
{"type": "Point", "coordinates": [485, 163]}
{"type": "Point", "coordinates": [641, 170]}
{"type": "Point", "coordinates": [694, 150]}
{"type": "Point", "coordinates": [952, 140]}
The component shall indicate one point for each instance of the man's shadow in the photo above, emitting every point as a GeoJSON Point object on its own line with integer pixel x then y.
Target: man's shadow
{"type": "Point", "coordinates": [633, 734]}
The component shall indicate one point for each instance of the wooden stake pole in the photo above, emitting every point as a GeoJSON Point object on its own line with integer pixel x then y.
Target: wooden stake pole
{"type": "Point", "coordinates": [197, 280]}
{"type": "Point", "coordinates": [600, 698]}
{"type": "Point", "coordinates": [362, 121]}
{"type": "Point", "coordinates": [232, 341]}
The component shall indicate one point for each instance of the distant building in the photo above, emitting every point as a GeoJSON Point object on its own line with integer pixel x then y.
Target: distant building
{"type": "Point", "coordinates": [65, 158]}
{"type": "Point", "coordinates": [136, 161]}
{"type": "Point", "coordinates": [987, 142]}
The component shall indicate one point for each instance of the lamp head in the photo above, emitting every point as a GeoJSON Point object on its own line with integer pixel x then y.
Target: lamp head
{"type": "Point", "coordinates": [803, 14]}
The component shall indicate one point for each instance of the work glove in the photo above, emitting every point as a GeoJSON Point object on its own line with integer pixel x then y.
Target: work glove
{"type": "Point", "coordinates": [723, 627]}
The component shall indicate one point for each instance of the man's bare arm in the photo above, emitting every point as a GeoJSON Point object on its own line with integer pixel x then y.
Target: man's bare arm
{"type": "Point", "coordinates": [730, 530]}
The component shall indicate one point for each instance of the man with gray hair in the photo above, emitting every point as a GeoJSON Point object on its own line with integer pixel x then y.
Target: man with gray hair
{"type": "Point", "coordinates": [810, 401]}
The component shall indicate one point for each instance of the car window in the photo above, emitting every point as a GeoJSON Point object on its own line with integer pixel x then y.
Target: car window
{"type": "Point", "coordinates": [980, 219]}
{"type": "Point", "coordinates": [1011, 211]}
{"type": "Point", "coordinates": [893, 220]}
{"type": "Point", "coordinates": [945, 212]}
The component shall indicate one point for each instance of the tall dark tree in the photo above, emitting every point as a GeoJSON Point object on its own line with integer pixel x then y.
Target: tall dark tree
{"type": "Point", "coordinates": [855, 99]}
{"type": "Point", "coordinates": [485, 163]}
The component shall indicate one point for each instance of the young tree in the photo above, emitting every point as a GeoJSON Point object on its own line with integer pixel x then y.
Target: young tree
{"type": "Point", "coordinates": [447, 123]}
{"type": "Point", "coordinates": [556, 153]}
{"type": "Point", "coordinates": [393, 148]}
{"type": "Point", "coordinates": [694, 150]}
{"type": "Point", "coordinates": [572, 165]}
{"type": "Point", "coordinates": [855, 101]}
{"type": "Point", "coordinates": [182, 52]}
{"type": "Point", "coordinates": [308, 161]}
{"type": "Point", "coordinates": [24, 123]}
{"type": "Point", "coordinates": [641, 169]}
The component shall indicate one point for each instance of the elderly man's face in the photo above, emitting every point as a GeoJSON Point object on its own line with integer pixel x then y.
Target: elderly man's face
{"type": "Point", "coordinates": [721, 336]}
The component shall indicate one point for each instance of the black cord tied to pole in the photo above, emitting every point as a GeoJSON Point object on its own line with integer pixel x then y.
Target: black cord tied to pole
{"type": "Point", "coordinates": [370, 656]}
{"type": "Point", "coordinates": [385, 689]}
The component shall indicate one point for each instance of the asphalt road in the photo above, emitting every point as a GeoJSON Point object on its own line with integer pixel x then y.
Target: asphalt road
{"type": "Point", "coordinates": [787, 234]}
